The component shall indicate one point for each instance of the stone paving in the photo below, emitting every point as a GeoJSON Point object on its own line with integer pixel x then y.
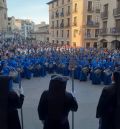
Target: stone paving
{"type": "Point", "coordinates": [87, 96]}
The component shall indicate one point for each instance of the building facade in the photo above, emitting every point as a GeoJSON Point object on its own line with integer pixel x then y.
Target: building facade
{"type": "Point", "coordinates": [11, 24]}
{"type": "Point", "coordinates": [24, 27]}
{"type": "Point", "coordinates": [74, 22]}
{"type": "Point", "coordinates": [3, 16]}
{"type": "Point", "coordinates": [109, 36]}
{"type": "Point", "coordinates": [41, 33]}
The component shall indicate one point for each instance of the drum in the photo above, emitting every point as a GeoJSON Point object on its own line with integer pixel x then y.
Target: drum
{"type": "Point", "coordinates": [107, 72]}
{"type": "Point", "coordinates": [50, 65]}
{"type": "Point", "coordinates": [98, 71]}
{"type": "Point", "coordinates": [85, 69]}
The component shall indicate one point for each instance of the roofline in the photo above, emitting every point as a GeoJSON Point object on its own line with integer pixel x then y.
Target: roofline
{"type": "Point", "coordinates": [51, 2]}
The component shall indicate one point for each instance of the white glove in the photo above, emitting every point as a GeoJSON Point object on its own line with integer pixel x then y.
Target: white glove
{"type": "Point", "coordinates": [21, 91]}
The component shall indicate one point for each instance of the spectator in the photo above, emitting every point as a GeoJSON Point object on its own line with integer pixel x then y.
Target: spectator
{"type": "Point", "coordinates": [108, 109]}
{"type": "Point", "coordinates": [55, 105]}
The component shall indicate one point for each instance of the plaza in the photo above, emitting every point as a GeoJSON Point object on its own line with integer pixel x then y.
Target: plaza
{"type": "Point", "coordinates": [86, 94]}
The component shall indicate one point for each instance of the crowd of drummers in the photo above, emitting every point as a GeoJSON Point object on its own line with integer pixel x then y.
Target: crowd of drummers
{"type": "Point", "coordinates": [27, 60]}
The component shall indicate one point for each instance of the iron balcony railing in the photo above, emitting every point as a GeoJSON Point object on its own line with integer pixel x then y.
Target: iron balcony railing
{"type": "Point", "coordinates": [104, 15]}
{"type": "Point", "coordinates": [92, 24]}
{"type": "Point", "coordinates": [116, 12]}
{"type": "Point", "coordinates": [115, 31]}
{"type": "Point", "coordinates": [103, 31]}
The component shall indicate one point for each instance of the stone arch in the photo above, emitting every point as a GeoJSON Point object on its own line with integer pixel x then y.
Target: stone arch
{"type": "Point", "coordinates": [103, 43]}
{"type": "Point", "coordinates": [115, 44]}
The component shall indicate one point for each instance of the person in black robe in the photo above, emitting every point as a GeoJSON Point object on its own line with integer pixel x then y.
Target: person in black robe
{"type": "Point", "coordinates": [15, 102]}
{"type": "Point", "coordinates": [55, 105]}
{"type": "Point", "coordinates": [108, 109]}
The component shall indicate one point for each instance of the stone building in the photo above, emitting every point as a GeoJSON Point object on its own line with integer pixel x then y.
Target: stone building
{"type": "Point", "coordinates": [74, 22]}
{"type": "Point", "coordinates": [3, 16]}
{"type": "Point", "coordinates": [109, 36]}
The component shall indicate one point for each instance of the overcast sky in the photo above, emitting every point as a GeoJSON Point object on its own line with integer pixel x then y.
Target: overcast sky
{"type": "Point", "coordinates": [36, 10]}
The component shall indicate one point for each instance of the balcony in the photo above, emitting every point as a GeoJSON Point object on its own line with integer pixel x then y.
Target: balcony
{"type": "Point", "coordinates": [92, 24]}
{"type": "Point", "coordinates": [104, 15]}
{"type": "Point", "coordinates": [116, 12]}
{"type": "Point", "coordinates": [62, 14]}
{"type": "Point", "coordinates": [103, 31]}
{"type": "Point", "coordinates": [61, 25]}
{"type": "Point", "coordinates": [97, 10]}
{"type": "Point", "coordinates": [90, 37]}
{"type": "Point", "coordinates": [57, 15]}
{"type": "Point", "coordinates": [90, 10]}
{"type": "Point", "coordinates": [75, 11]}
{"type": "Point", "coordinates": [74, 24]}
{"type": "Point", "coordinates": [67, 26]}
{"type": "Point", "coordinates": [68, 14]}
{"type": "Point", "coordinates": [57, 27]}
{"type": "Point", "coordinates": [115, 31]}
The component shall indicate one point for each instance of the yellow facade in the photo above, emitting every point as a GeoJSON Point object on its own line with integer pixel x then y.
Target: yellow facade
{"type": "Point", "coordinates": [68, 22]}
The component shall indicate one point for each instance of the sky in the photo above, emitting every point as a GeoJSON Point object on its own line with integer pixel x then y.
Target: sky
{"type": "Point", "coordinates": [36, 10]}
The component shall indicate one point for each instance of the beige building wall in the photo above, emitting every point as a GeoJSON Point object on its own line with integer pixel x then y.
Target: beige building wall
{"type": "Point", "coordinates": [109, 36]}
{"type": "Point", "coordinates": [77, 12]}
{"type": "Point", "coordinates": [3, 15]}
{"type": "Point", "coordinates": [41, 33]}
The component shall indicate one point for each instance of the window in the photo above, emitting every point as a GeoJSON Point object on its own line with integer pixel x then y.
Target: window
{"type": "Point", "coordinates": [68, 0]}
{"type": "Point", "coordinates": [88, 33]}
{"type": "Point", "coordinates": [76, 7]}
{"type": "Point", "coordinates": [118, 4]}
{"type": "Point", "coordinates": [75, 32]}
{"type": "Point", "coordinates": [75, 21]}
{"type": "Point", "coordinates": [57, 23]}
{"type": "Point", "coordinates": [57, 33]}
{"type": "Point", "coordinates": [97, 6]}
{"type": "Point", "coordinates": [68, 33]}
{"type": "Point", "coordinates": [57, 41]}
{"type": "Point", "coordinates": [96, 32]}
{"type": "Point", "coordinates": [106, 8]}
{"type": "Point", "coordinates": [62, 33]}
{"type": "Point", "coordinates": [68, 9]}
{"type": "Point", "coordinates": [95, 45]}
{"type": "Point", "coordinates": [97, 19]}
{"type": "Point", "coordinates": [104, 44]}
{"type": "Point", "coordinates": [89, 5]}
{"type": "Point", "coordinates": [68, 22]}
{"type": "Point", "coordinates": [62, 1]}
{"type": "Point", "coordinates": [62, 42]}
{"type": "Point", "coordinates": [105, 24]}
{"type": "Point", "coordinates": [89, 19]}
{"type": "Point", "coordinates": [118, 25]}
{"type": "Point", "coordinates": [88, 45]}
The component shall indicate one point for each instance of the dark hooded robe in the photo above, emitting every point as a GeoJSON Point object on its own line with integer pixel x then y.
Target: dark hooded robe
{"type": "Point", "coordinates": [108, 109]}
{"type": "Point", "coordinates": [55, 105]}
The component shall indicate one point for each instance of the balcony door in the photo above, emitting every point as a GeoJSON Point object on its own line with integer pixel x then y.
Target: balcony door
{"type": "Point", "coordinates": [118, 25]}
{"type": "Point", "coordinates": [89, 5]}
{"type": "Point", "coordinates": [118, 4]}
